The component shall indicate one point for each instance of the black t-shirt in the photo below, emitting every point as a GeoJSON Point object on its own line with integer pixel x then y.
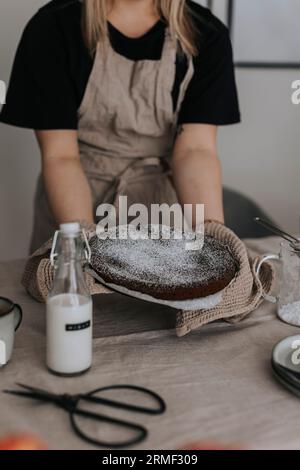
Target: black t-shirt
{"type": "Point", "coordinates": [52, 68]}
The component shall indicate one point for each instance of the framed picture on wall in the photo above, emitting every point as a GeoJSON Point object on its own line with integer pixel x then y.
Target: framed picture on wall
{"type": "Point", "coordinates": [220, 8]}
{"type": "Point", "coordinates": [266, 33]}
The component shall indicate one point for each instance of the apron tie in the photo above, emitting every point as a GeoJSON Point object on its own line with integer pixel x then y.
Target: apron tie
{"type": "Point", "coordinates": [120, 181]}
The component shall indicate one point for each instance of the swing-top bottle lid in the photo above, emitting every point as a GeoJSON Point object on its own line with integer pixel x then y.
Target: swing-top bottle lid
{"type": "Point", "coordinates": [70, 229]}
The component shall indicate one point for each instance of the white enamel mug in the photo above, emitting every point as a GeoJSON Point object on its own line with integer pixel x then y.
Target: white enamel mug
{"type": "Point", "coordinates": [10, 320]}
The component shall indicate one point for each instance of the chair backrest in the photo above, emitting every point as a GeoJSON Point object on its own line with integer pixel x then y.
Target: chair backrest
{"type": "Point", "coordinates": [240, 212]}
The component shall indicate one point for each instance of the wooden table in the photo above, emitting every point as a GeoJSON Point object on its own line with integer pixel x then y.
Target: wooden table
{"type": "Point", "coordinates": [217, 381]}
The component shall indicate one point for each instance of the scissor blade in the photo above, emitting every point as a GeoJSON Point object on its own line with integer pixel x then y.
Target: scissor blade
{"type": "Point", "coordinates": [35, 394]}
{"type": "Point", "coordinates": [33, 389]}
{"type": "Point", "coordinates": [20, 393]}
{"type": "Point", "coordinates": [27, 387]}
{"type": "Point", "coordinates": [42, 393]}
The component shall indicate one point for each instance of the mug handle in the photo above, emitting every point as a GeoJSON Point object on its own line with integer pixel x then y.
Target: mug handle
{"type": "Point", "coordinates": [267, 257]}
{"type": "Point", "coordinates": [18, 316]}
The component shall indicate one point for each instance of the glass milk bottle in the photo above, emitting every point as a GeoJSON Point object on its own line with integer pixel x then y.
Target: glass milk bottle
{"type": "Point", "coordinates": [69, 308]}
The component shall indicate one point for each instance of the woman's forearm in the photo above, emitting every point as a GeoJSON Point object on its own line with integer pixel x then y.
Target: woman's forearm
{"type": "Point", "coordinates": [198, 180]}
{"type": "Point", "coordinates": [67, 189]}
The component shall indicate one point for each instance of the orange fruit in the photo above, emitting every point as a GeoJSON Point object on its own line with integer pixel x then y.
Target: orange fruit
{"type": "Point", "coordinates": [21, 442]}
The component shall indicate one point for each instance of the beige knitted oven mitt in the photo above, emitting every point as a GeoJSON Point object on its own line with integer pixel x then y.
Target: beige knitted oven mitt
{"type": "Point", "coordinates": [242, 296]}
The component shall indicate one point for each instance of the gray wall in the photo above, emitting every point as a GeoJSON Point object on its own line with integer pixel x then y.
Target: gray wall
{"type": "Point", "coordinates": [260, 157]}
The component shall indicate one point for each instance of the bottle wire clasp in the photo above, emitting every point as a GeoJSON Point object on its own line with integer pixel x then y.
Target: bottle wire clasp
{"type": "Point", "coordinates": [87, 248]}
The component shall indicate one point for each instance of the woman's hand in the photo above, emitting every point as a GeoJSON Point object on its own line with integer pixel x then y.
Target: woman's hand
{"type": "Point", "coordinates": [66, 185]}
{"type": "Point", "coordinates": [197, 170]}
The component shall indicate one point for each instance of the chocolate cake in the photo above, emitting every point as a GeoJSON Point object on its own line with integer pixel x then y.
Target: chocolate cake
{"type": "Point", "coordinates": [164, 269]}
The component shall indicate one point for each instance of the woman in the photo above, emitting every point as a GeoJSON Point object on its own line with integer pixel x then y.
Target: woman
{"type": "Point", "coordinates": [119, 91]}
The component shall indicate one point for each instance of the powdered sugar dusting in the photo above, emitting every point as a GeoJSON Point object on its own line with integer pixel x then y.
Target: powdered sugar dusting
{"type": "Point", "coordinates": [165, 263]}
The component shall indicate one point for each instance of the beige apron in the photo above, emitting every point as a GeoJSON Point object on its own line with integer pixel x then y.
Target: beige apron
{"type": "Point", "coordinates": [127, 127]}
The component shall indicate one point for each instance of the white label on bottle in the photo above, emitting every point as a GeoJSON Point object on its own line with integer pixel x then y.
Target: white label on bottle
{"type": "Point", "coordinates": [78, 326]}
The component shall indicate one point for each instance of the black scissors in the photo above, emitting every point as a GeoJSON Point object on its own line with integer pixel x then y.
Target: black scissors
{"type": "Point", "coordinates": [70, 403]}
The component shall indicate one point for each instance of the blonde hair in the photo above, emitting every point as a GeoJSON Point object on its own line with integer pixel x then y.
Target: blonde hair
{"type": "Point", "coordinates": [176, 13]}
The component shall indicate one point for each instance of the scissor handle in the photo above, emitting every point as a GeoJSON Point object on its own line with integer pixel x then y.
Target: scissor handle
{"type": "Point", "coordinates": [91, 398]}
{"type": "Point", "coordinates": [142, 432]}
{"type": "Point", "coordinates": [127, 406]}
